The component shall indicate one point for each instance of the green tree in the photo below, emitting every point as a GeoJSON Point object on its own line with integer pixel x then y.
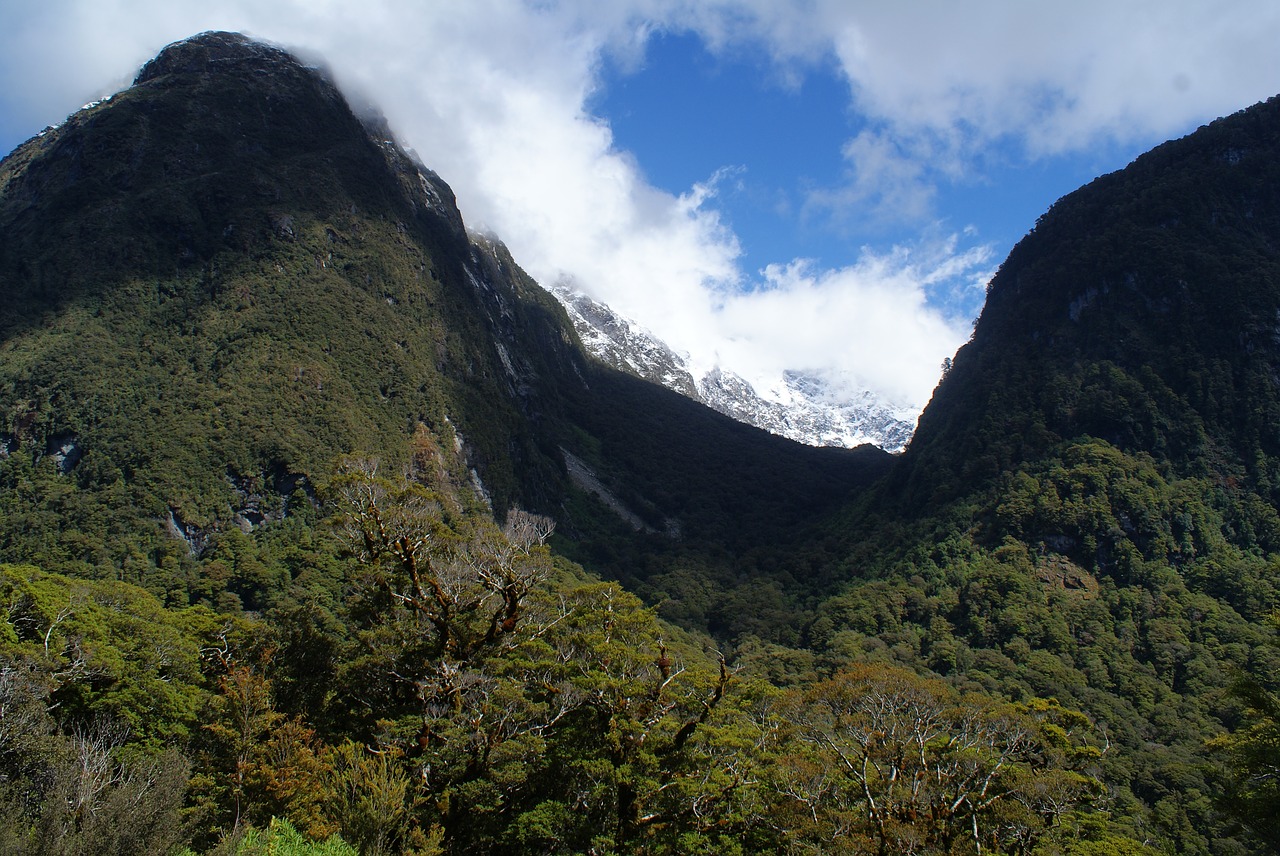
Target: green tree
{"type": "Point", "coordinates": [537, 713]}
{"type": "Point", "coordinates": [83, 791]}
{"type": "Point", "coordinates": [889, 762]}
{"type": "Point", "coordinates": [1252, 753]}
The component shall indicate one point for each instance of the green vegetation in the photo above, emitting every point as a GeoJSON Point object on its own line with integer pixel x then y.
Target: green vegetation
{"type": "Point", "coordinates": [482, 696]}
{"type": "Point", "coordinates": [1254, 759]}
{"type": "Point", "coordinates": [281, 447]}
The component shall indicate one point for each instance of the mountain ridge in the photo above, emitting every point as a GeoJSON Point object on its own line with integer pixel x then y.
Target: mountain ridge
{"type": "Point", "coordinates": [1152, 315]}
{"type": "Point", "coordinates": [177, 231]}
{"type": "Point", "coordinates": [231, 306]}
{"type": "Point", "coordinates": [802, 408]}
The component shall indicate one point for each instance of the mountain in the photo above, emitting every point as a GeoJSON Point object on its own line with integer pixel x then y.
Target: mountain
{"type": "Point", "coordinates": [625, 345]}
{"type": "Point", "coordinates": [1088, 509]}
{"type": "Point", "coordinates": [282, 444]}
{"type": "Point", "coordinates": [801, 407]}
{"type": "Point", "coordinates": [1142, 310]}
{"type": "Point", "coordinates": [230, 266]}
{"type": "Point", "coordinates": [220, 281]}
{"type": "Point", "coordinates": [264, 402]}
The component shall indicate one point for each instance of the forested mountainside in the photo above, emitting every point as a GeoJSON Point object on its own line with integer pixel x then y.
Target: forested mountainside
{"type": "Point", "coordinates": [1142, 310]}
{"type": "Point", "coordinates": [1088, 508]}
{"type": "Point", "coordinates": [219, 281]}
{"type": "Point", "coordinates": [321, 532]}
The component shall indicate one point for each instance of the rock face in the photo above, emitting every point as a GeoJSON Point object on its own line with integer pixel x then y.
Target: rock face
{"type": "Point", "coordinates": [625, 345]}
{"type": "Point", "coordinates": [800, 407]}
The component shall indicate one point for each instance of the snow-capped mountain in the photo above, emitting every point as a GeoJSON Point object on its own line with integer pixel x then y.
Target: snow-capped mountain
{"type": "Point", "coordinates": [799, 406]}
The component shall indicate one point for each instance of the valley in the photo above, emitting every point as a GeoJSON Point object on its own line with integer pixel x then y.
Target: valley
{"type": "Point", "coordinates": [321, 527]}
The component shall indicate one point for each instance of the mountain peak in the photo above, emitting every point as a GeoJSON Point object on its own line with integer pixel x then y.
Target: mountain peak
{"type": "Point", "coordinates": [212, 51]}
{"type": "Point", "coordinates": [220, 137]}
{"type": "Point", "coordinates": [800, 406]}
{"type": "Point", "coordinates": [1141, 310]}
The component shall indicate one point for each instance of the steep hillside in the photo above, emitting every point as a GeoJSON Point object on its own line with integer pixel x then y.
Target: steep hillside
{"type": "Point", "coordinates": [1142, 309]}
{"type": "Point", "coordinates": [220, 280]}
{"type": "Point", "coordinates": [1088, 509]}
{"type": "Point", "coordinates": [222, 260]}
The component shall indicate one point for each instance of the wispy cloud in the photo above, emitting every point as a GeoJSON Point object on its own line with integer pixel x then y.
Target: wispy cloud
{"type": "Point", "coordinates": [886, 186]}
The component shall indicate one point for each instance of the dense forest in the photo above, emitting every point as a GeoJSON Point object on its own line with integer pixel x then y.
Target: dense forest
{"type": "Point", "coordinates": [321, 534]}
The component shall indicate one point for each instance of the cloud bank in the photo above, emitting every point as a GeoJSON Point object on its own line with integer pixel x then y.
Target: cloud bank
{"type": "Point", "coordinates": [493, 95]}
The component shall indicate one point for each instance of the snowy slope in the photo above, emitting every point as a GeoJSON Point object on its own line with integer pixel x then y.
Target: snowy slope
{"type": "Point", "coordinates": [799, 406]}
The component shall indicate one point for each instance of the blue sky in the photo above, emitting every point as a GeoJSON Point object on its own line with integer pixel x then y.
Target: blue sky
{"type": "Point", "coordinates": [688, 115]}
{"type": "Point", "coordinates": [815, 185]}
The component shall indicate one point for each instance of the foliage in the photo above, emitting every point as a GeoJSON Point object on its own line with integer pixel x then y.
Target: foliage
{"type": "Point", "coordinates": [82, 798]}
{"type": "Point", "coordinates": [94, 679]}
{"type": "Point", "coordinates": [1039, 630]}
{"type": "Point", "coordinates": [894, 763]}
{"type": "Point", "coordinates": [1252, 751]}
{"type": "Point", "coordinates": [535, 715]}
{"type": "Point", "coordinates": [280, 838]}
{"type": "Point", "coordinates": [107, 649]}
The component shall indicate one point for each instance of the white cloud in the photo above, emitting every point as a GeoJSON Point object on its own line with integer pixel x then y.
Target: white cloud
{"type": "Point", "coordinates": [1055, 75]}
{"type": "Point", "coordinates": [492, 94]}
{"type": "Point", "coordinates": [944, 82]}
{"type": "Point", "coordinates": [872, 325]}
{"type": "Point", "coordinates": [886, 185]}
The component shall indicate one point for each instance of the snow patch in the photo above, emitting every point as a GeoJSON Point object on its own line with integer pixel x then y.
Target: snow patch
{"type": "Point", "coordinates": [802, 406]}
